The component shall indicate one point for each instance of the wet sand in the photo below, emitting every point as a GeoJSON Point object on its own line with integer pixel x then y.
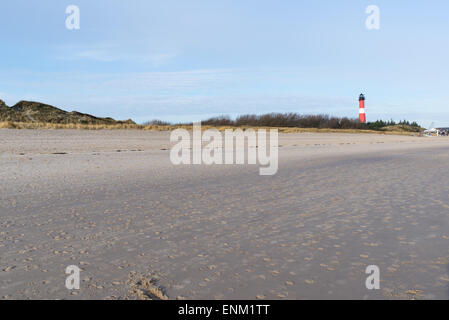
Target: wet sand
{"type": "Point", "coordinates": [112, 203]}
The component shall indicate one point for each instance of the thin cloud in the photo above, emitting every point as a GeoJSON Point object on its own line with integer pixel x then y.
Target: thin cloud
{"type": "Point", "coordinates": [113, 53]}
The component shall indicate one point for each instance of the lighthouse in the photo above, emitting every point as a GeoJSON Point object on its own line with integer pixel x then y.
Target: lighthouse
{"type": "Point", "coordinates": [362, 115]}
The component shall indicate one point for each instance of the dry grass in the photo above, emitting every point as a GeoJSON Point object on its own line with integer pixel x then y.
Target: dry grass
{"type": "Point", "coordinates": [53, 126]}
{"type": "Point", "coordinates": [56, 126]}
{"type": "Point", "coordinates": [281, 129]}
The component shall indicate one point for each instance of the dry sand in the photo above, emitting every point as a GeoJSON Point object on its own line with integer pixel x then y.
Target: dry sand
{"type": "Point", "coordinates": [140, 227]}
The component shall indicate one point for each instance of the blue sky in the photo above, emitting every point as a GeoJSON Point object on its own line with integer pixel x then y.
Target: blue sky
{"type": "Point", "coordinates": [188, 60]}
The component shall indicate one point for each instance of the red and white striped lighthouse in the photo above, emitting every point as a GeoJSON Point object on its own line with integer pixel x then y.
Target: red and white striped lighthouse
{"type": "Point", "coordinates": [362, 115]}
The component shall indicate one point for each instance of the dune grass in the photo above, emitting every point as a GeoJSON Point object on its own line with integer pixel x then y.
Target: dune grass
{"type": "Point", "coordinates": [280, 129]}
{"type": "Point", "coordinates": [50, 126]}
{"type": "Point", "coordinates": [153, 127]}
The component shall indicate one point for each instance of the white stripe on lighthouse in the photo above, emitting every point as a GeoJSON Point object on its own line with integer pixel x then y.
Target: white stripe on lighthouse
{"type": "Point", "coordinates": [361, 110]}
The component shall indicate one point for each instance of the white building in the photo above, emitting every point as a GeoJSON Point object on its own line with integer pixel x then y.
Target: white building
{"type": "Point", "coordinates": [438, 131]}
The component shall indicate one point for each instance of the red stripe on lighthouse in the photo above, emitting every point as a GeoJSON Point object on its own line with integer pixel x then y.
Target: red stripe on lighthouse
{"type": "Point", "coordinates": [362, 115]}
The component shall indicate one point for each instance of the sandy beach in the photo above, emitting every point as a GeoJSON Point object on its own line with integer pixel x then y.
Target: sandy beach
{"type": "Point", "coordinates": [112, 203]}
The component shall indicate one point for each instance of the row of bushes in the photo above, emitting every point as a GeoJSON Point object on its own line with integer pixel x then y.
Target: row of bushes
{"type": "Point", "coordinates": [292, 120]}
{"type": "Point", "coordinates": [379, 124]}
{"type": "Point", "coordinates": [295, 120]}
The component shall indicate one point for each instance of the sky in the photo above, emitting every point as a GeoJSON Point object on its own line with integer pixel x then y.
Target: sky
{"type": "Point", "coordinates": [190, 60]}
